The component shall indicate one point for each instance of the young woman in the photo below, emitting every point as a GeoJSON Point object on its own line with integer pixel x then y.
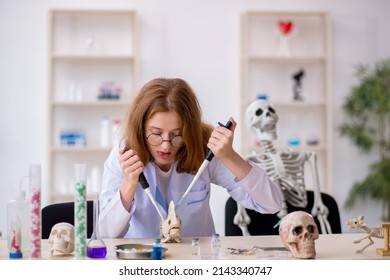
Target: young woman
{"type": "Point", "coordinates": [166, 139]}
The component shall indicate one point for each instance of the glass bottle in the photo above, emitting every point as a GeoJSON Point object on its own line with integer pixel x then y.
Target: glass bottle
{"type": "Point", "coordinates": [157, 249]}
{"type": "Point", "coordinates": [96, 248]}
{"type": "Point", "coordinates": [195, 246]}
{"type": "Point", "coordinates": [105, 132]}
{"type": "Point", "coordinates": [19, 208]}
{"type": "Point", "coordinates": [215, 245]}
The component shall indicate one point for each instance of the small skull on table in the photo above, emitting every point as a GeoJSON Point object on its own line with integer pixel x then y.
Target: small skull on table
{"type": "Point", "coordinates": [61, 239]}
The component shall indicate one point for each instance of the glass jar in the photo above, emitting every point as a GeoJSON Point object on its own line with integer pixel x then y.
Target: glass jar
{"type": "Point", "coordinates": [195, 246]}
{"type": "Point", "coordinates": [215, 245]}
{"type": "Point", "coordinates": [157, 249]}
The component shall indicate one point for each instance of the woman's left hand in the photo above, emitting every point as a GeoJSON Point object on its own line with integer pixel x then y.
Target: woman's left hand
{"type": "Point", "coordinates": [221, 144]}
{"type": "Point", "coordinates": [221, 140]}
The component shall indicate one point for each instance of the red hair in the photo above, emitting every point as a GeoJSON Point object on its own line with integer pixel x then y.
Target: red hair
{"type": "Point", "coordinates": [167, 95]}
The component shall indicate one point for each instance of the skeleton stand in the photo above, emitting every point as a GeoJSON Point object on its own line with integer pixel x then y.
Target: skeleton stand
{"type": "Point", "coordinates": [385, 251]}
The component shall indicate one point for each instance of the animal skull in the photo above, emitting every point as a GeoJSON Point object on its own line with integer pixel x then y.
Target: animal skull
{"type": "Point", "coordinates": [61, 239]}
{"type": "Point", "coordinates": [262, 118]}
{"type": "Point", "coordinates": [355, 224]}
{"type": "Point", "coordinates": [298, 232]}
{"type": "Point", "coordinates": [172, 226]}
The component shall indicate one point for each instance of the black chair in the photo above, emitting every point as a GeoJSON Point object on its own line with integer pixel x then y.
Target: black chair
{"type": "Point", "coordinates": [63, 212]}
{"type": "Point", "coordinates": [263, 224]}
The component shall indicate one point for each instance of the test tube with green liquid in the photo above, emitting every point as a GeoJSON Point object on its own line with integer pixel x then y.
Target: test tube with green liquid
{"type": "Point", "coordinates": [80, 210]}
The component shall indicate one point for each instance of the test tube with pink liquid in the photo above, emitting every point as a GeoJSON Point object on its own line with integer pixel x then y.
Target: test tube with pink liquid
{"type": "Point", "coordinates": [35, 210]}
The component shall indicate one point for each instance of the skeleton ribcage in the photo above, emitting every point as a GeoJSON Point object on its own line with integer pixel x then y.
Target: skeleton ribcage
{"type": "Point", "coordinates": [286, 169]}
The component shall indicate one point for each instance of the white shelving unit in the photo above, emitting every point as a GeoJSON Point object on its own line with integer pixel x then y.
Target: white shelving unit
{"type": "Point", "coordinates": [267, 68]}
{"type": "Point", "coordinates": [87, 48]}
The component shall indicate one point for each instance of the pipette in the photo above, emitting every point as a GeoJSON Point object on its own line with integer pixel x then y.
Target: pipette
{"type": "Point", "coordinates": [205, 163]}
{"type": "Point", "coordinates": [145, 185]}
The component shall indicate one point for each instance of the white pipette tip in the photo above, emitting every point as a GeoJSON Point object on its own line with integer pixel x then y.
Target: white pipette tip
{"type": "Point", "coordinates": [180, 202]}
{"type": "Point", "coordinates": [154, 203]}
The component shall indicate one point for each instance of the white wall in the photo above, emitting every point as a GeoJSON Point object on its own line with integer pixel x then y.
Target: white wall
{"type": "Point", "coordinates": [197, 40]}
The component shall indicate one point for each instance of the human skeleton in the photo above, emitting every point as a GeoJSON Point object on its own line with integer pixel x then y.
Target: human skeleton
{"type": "Point", "coordinates": [285, 168]}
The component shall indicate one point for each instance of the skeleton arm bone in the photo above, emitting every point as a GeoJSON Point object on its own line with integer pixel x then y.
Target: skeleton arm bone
{"type": "Point", "coordinates": [319, 209]}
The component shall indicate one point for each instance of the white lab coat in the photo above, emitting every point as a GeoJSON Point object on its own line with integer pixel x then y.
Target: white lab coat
{"type": "Point", "coordinates": [256, 191]}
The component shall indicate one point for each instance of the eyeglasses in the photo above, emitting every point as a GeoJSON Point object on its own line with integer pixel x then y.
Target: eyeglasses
{"type": "Point", "coordinates": [156, 140]}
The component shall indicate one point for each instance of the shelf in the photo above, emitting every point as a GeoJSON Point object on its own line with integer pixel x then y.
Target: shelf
{"type": "Point", "coordinates": [92, 54]}
{"type": "Point", "coordinates": [80, 149]}
{"type": "Point", "coordinates": [314, 148]}
{"type": "Point", "coordinates": [270, 62]}
{"type": "Point", "coordinates": [90, 103]}
{"type": "Point", "coordinates": [303, 147]}
{"type": "Point", "coordinates": [299, 104]}
{"type": "Point", "coordinates": [91, 57]}
{"type": "Point", "coordinates": [284, 59]}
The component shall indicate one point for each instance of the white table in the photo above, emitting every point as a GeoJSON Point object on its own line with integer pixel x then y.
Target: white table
{"type": "Point", "coordinates": [328, 247]}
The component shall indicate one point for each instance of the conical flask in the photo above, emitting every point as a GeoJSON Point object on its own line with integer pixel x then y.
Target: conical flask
{"type": "Point", "coordinates": [96, 248]}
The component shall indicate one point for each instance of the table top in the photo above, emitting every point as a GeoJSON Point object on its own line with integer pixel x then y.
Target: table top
{"type": "Point", "coordinates": [328, 247]}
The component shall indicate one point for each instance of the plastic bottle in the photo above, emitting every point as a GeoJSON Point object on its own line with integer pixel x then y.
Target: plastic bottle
{"type": "Point", "coordinates": [116, 132]}
{"type": "Point", "coordinates": [18, 209]}
{"type": "Point", "coordinates": [15, 250]}
{"type": "Point", "coordinates": [195, 246]}
{"type": "Point", "coordinates": [80, 210]}
{"type": "Point", "coordinates": [105, 132]}
{"type": "Point", "coordinates": [215, 245]}
{"type": "Point", "coordinates": [94, 185]}
{"type": "Point", "coordinates": [157, 249]}
{"type": "Point", "coordinates": [35, 210]}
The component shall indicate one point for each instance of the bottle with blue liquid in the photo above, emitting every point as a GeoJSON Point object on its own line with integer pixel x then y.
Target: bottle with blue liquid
{"type": "Point", "coordinates": [157, 249]}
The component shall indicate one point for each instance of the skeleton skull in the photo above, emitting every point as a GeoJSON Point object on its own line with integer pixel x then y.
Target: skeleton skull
{"type": "Point", "coordinates": [171, 227]}
{"type": "Point", "coordinates": [61, 239]}
{"type": "Point", "coordinates": [261, 118]}
{"type": "Point", "coordinates": [298, 232]}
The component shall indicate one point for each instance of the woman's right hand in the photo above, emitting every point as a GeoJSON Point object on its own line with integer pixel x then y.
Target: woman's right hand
{"type": "Point", "coordinates": [132, 167]}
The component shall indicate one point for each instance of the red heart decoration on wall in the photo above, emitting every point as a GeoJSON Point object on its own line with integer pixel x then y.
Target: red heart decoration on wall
{"type": "Point", "coordinates": [285, 26]}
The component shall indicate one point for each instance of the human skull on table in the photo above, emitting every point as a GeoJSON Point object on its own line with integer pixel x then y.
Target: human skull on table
{"type": "Point", "coordinates": [298, 232]}
{"type": "Point", "coordinates": [61, 239]}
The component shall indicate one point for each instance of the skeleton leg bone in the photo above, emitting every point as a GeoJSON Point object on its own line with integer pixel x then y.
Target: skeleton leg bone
{"type": "Point", "coordinates": [369, 244]}
{"type": "Point", "coordinates": [242, 220]}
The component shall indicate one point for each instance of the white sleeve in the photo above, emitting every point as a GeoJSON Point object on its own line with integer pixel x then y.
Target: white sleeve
{"type": "Point", "coordinates": [114, 218]}
{"type": "Point", "coordinates": [256, 191]}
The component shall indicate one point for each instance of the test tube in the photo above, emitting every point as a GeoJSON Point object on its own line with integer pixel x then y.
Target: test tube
{"type": "Point", "coordinates": [35, 210]}
{"type": "Point", "coordinates": [80, 210]}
